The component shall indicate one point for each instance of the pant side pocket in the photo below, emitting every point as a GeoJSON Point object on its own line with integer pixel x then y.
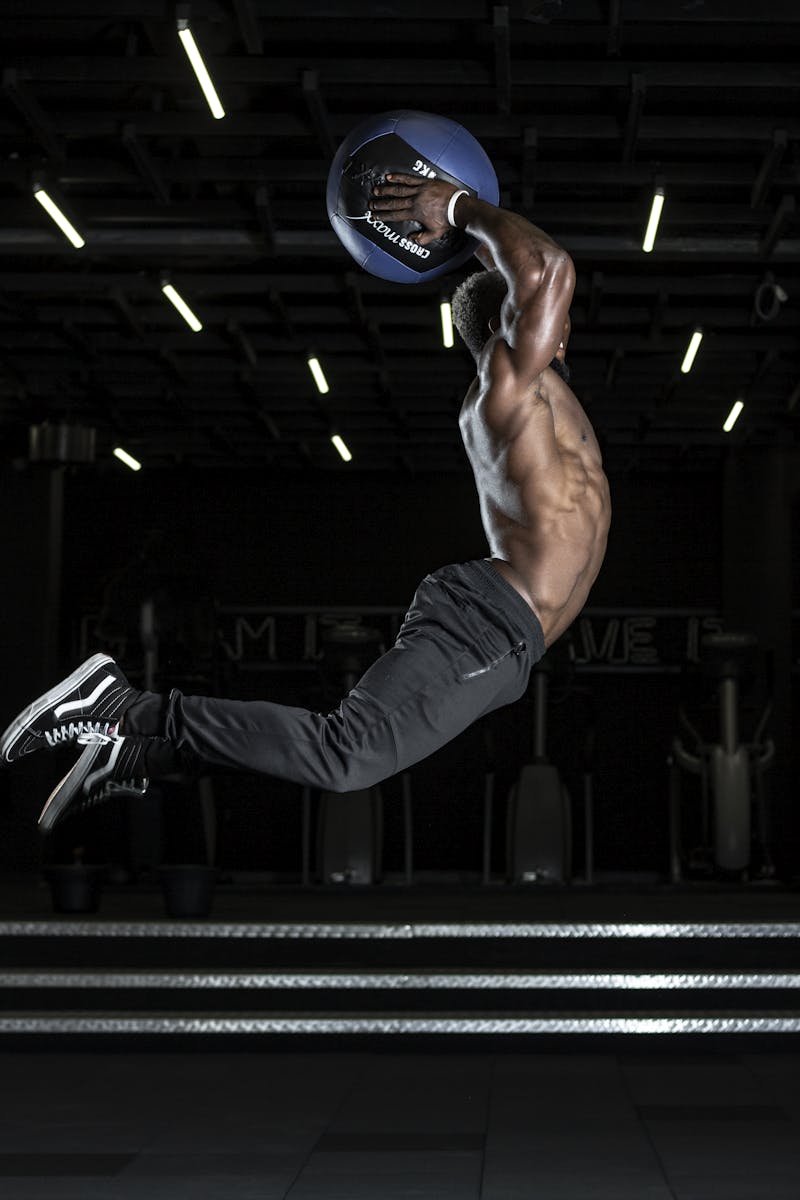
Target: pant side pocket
{"type": "Point", "coordinates": [518, 648]}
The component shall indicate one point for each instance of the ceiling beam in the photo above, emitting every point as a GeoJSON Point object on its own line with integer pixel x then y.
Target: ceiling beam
{"type": "Point", "coordinates": [122, 304]}
{"type": "Point", "coordinates": [639, 12]}
{"type": "Point", "coordinates": [595, 298]}
{"type": "Point", "coordinates": [276, 169]}
{"type": "Point", "coordinates": [240, 244]}
{"type": "Point", "coordinates": [561, 126]}
{"type": "Point", "coordinates": [626, 281]}
{"type": "Point", "coordinates": [658, 314]}
{"type": "Point", "coordinates": [281, 312]}
{"type": "Point", "coordinates": [318, 113]}
{"type": "Point", "coordinates": [550, 74]}
{"type": "Point", "coordinates": [29, 108]}
{"type": "Point", "coordinates": [230, 216]}
{"type": "Point", "coordinates": [248, 26]}
{"type": "Point", "coordinates": [242, 342]}
{"type": "Point", "coordinates": [256, 408]}
{"type": "Point", "coordinates": [782, 218]}
{"type": "Point", "coordinates": [266, 220]}
{"type": "Point", "coordinates": [502, 58]}
{"type": "Point", "coordinates": [75, 337]}
{"type": "Point", "coordinates": [614, 28]}
{"type": "Point", "coordinates": [769, 165]}
{"type": "Point", "coordinates": [144, 163]}
{"type": "Point", "coordinates": [530, 146]}
{"type": "Point", "coordinates": [636, 96]}
{"type": "Point", "coordinates": [614, 367]}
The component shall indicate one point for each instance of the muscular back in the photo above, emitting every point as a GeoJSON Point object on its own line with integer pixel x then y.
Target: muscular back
{"type": "Point", "coordinates": [544, 497]}
{"type": "Point", "coordinates": [543, 494]}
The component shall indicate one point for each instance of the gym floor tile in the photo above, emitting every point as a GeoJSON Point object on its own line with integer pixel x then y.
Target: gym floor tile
{"type": "Point", "coordinates": [399, 1143]}
{"type": "Point", "coordinates": [361, 1127]}
{"type": "Point", "coordinates": [422, 1181]}
{"type": "Point", "coordinates": [208, 1166]}
{"type": "Point", "coordinates": [575, 1184]}
{"type": "Point", "coordinates": [60, 1164]}
{"type": "Point", "coordinates": [767, 1186]}
{"type": "Point", "coordinates": [712, 1112]}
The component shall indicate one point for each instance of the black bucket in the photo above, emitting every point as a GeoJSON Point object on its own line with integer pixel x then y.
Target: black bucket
{"type": "Point", "coordinates": [75, 888]}
{"type": "Point", "coordinates": [188, 890]}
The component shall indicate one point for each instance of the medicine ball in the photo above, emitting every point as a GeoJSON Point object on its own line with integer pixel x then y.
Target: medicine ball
{"type": "Point", "coordinates": [414, 143]}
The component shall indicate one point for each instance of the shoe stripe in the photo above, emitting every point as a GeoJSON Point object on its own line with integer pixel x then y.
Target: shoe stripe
{"type": "Point", "coordinates": [111, 701]}
{"type": "Point", "coordinates": [106, 771]}
{"type": "Point", "coordinates": [20, 726]}
{"type": "Point", "coordinates": [76, 705]}
{"type": "Point", "coordinates": [129, 760]}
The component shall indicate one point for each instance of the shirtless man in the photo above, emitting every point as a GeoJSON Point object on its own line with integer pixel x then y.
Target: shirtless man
{"type": "Point", "coordinates": [474, 630]}
{"type": "Point", "coordinates": [543, 494]}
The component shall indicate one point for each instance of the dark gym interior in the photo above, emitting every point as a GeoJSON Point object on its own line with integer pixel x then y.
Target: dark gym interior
{"type": "Point", "coordinates": [557, 958]}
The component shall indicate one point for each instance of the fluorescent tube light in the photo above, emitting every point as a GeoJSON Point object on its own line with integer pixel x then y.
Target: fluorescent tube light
{"type": "Point", "coordinates": [733, 416]}
{"type": "Point", "coordinates": [340, 446]}
{"type": "Point", "coordinates": [182, 307]}
{"type": "Point", "coordinates": [655, 217]}
{"type": "Point", "coordinates": [63, 222]}
{"type": "Point", "coordinates": [447, 323]}
{"type": "Point", "coordinates": [691, 351]}
{"type": "Point", "coordinates": [201, 71]}
{"type": "Point", "coordinates": [128, 459]}
{"type": "Point", "coordinates": [319, 375]}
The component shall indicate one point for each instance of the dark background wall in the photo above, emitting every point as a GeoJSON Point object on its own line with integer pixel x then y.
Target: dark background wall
{"type": "Point", "coordinates": [361, 537]}
{"type": "Point", "coordinates": [355, 538]}
{"type": "Point", "coordinates": [350, 538]}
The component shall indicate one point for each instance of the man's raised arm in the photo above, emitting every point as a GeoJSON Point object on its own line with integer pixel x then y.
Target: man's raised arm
{"type": "Point", "coordinates": [539, 274]}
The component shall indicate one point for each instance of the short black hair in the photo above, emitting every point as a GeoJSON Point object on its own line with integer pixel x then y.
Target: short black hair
{"type": "Point", "coordinates": [476, 302]}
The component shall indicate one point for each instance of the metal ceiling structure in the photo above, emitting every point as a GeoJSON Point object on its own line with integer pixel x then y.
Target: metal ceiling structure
{"type": "Point", "coordinates": [582, 105]}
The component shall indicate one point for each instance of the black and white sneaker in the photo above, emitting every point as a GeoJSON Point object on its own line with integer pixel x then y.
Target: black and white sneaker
{"type": "Point", "coordinates": [89, 701]}
{"type": "Point", "coordinates": [111, 765]}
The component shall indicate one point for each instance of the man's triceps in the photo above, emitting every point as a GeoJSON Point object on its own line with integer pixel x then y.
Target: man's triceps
{"type": "Point", "coordinates": [534, 330]}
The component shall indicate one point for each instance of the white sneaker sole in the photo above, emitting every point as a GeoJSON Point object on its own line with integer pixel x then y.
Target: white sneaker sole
{"type": "Point", "coordinates": [26, 718]}
{"type": "Point", "coordinates": [63, 792]}
{"type": "Point", "coordinates": [81, 777]}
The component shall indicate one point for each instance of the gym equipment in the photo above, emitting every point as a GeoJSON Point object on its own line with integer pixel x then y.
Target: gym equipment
{"type": "Point", "coordinates": [350, 836]}
{"type": "Point", "coordinates": [349, 827]}
{"type": "Point", "coordinates": [349, 824]}
{"type": "Point", "coordinates": [412, 143]}
{"type": "Point", "coordinates": [731, 772]}
{"type": "Point", "coordinates": [146, 819]}
{"type": "Point", "coordinates": [539, 820]}
{"type": "Point", "coordinates": [539, 814]}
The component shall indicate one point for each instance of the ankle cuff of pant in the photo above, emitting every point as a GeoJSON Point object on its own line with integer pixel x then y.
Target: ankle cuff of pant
{"type": "Point", "coordinates": [146, 716]}
{"type": "Point", "coordinates": [162, 760]}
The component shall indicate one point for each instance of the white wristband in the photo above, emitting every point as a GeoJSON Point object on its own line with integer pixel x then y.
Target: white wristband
{"type": "Point", "coordinates": [451, 208]}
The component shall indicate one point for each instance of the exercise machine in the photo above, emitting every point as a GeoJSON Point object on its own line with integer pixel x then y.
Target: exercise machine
{"type": "Point", "coordinates": [349, 824]}
{"type": "Point", "coordinates": [731, 771]}
{"type": "Point", "coordinates": [539, 814]}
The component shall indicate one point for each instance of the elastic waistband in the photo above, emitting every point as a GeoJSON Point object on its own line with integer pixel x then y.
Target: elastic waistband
{"type": "Point", "coordinates": [512, 602]}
